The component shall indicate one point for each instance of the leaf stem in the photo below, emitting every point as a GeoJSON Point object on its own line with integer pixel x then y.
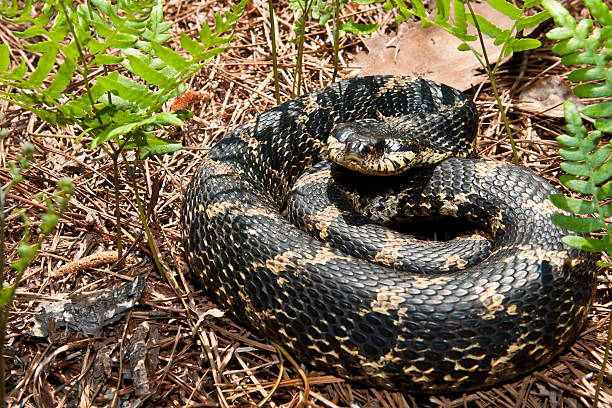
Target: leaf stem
{"type": "Point", "coordinates": [115, 159]}
{"type": "Point", "coordinates": [604, 364]}
{"type": "Point", "coordinates": [490, 73]}
{"type": "Point", "coordinates": [85, 71]}
{"type": "Point", "coordinates": [336, 37]}
{"type": "Point", "coordinates": [131, 169]}
{"type": "Point", "coordinates": [297, 81]}
{"type": "Point", "coordinates": [4, 307]}
{"type": "Point", "coordinates": [273, 49]}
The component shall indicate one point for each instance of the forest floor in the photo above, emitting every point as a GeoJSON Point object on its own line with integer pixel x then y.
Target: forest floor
{"type": "Point", "coordinates": [149, 355]}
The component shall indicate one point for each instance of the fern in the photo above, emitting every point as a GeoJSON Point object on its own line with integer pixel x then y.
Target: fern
{"type": "Point", "coordinates": [460, 18]}
{"type": "Point", "coordinates": [79, 39]}
{"type": "Point", "coordinates": [581, 44]}
{"type": "Point", "coordinates": [322, 11]}
{"type": "Point", "coordinates": [120, 108]}
{"type": "Point", "coordinates": [589, 167]}
{"type": "Point", "coordinates": [588, 170]}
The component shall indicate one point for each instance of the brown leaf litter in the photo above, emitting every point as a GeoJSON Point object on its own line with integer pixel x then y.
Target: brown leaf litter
{"type": "Point", "coordinates": [430, 52]}
{"type": "Point", "coordinates": [151, 356]}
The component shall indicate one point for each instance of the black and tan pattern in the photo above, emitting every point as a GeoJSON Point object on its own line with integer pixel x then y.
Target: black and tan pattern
{"type": "Point", "coordinates": [400, 330]}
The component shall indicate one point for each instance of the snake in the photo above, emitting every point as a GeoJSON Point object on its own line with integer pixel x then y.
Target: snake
{"type": "Point", "coordinates": [455, 321]}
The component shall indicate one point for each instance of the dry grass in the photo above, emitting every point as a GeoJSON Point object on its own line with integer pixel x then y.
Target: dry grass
{"type": "Point", "coordinates": [71, 369]}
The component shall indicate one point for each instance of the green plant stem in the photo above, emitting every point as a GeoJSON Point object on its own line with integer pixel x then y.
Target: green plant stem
{"type": "Point", "coordinates": [273, 49]}
{"type": "Point", "coordinates": [115, 159]}
{"type": "Point", "coordinates": [336, 37]}
{"type": "Point", "coordinates": [143, 216]}
{"type": "Point", "coordinates": [281, 350]}
{"type": "Point", "coordinates": [297, 80]}
{"type": "Point", "coordinates": [85, 71]}
{"type": "Point", "coordinates": [604, 364]}
{"type": "Point", "coordinates": [490, 73]}
{"type": "Point", "coordinates": [4, 308]}
{"type": "Point", "coordinates": [161, 267]}
{"type": "Point", "coordinates": [281, 370]}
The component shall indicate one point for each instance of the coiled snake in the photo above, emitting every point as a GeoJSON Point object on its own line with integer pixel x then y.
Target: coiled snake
{"type": "Point", "coordinates": [460, 325]}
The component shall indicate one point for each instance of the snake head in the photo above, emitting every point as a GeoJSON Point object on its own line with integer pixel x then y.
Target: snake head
{"type": "Point", "coordinates": [372, 146]}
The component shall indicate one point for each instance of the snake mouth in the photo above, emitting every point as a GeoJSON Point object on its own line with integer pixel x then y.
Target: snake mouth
{"type": "Point", "coordinates": [353, 158]}
{"type": "Point", "coordinates": [342, 154]}
{"type": "Point", "coordinates": [367, 159]}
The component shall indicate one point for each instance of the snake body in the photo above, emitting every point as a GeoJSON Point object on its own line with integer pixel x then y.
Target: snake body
{"type": "Point", "coordinates": [460, 328]}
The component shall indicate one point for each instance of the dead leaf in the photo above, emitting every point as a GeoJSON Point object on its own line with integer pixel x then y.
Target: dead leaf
{"type": "Point", "coordinates": [430, 52]}
{"type": "Point", "coordinates": [144, 358]}
{"type": "Point", "coordinates": [546, 96]}
{"type": "Point", "coordinates": [91, 312]}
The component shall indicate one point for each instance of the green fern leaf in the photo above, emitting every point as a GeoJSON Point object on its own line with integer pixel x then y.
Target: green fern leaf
{"type": "Point", "coordinates": [600, 11]}
{"type": "Point", "coordinates": [598, 110]}
{"type": "Point", "coordinates": [43, 68]}
{"type": "Point", "coordinates": [150, 145]}
{"type": "Point", "coordinates": [62, 79]}
{"type": "Point", "coordinates": [573, 205]}
{"type": "Point", "coordinates": [577, 169]}
{"type": "Point", "coordinates": [580, 225]}
{"type": "Point", "coordinates": [349, 26]}
{"type": "Point", "coordinates": [419, 9]}
{"type": "Point", "coordinates": [593, 90]}
{"type": "Point", "coordinates": [191, 46]}
{"type": "Point", "coordinates": [568, 140]}
{"type": "Point", "coordinates": [5, 57]}
{"type": "Point", "coordinates": [604, 125]}
{"type": "Point", "coordinates": [143, 69]}
{"type": "Point", "coordinates": [605, 191]}
{"type": "Point", "coordinates": [576, 184]}
{"type": "Point", "coordinates": [561, 16]}
{"type": "Point", "coordinates": [404, 13]}
{"type": "Point", "coordinates": [15, 77]}
{"type": "Point", "coordinates": [532, 21]}
{"type": "Point", "coordinates": [572, 154]}
{"type": "Point", "coordinates": [560, 33]}
{"type": "Point", "coordinates": [586, 244]}
{"type": "Point", "coordinates": [603, 173]}
{"type": "Point", "coordinates": [170, 57]}
{"type": "Point", "coordinates": [211, 39]}
{"type": "Point", "coordinates": [598, 158]}
{"type": "Point", "coordinates": [523, 44]}
{"type": "Point", "coordinates": [127, 89]}
{"type": "Point", "coordinates": [442, 11]}
{"type": "Point", "coordinates": [460, 18]}
{"type": "Point", "coordinates": [488, 28]}
{"type": "Point", "coordinates": [32, 32]}
{"type": "Point", "coordinates": [506, 8]}
{"type": "Point", "coordinates": [587, 74]}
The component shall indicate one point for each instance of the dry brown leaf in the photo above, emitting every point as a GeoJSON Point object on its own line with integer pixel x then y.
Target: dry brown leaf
{"type": "Point", "coordinates": [546, 96]}
{"type": "Point", "coordinates": [430, 52]}
{"type": "Point", "coordinates": [89, 313]}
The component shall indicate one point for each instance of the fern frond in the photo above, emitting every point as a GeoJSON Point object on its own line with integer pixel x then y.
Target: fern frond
{"type": "Point", "coordinates": [79, 39]}
{"type": "Point", "coordinates": [458, 28]}
{"type": "Point", "coordinates": [588, 169]}
{"type": "Point", "coordinates": [581, 44]}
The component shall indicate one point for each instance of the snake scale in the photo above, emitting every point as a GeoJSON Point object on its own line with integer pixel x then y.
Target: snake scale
{"type": "Point", "coordinates": [462, 327]}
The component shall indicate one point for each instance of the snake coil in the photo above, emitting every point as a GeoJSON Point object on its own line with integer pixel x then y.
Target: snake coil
{"type": "Point", "coordinates": [454, 330]}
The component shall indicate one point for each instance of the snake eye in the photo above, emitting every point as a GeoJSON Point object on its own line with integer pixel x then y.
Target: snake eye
{"type": "Point", "coordinates": [342, 133]}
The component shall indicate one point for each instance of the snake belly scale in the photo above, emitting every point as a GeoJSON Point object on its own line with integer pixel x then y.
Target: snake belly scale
{"type": "Point", "coordinates": [401, 330]}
